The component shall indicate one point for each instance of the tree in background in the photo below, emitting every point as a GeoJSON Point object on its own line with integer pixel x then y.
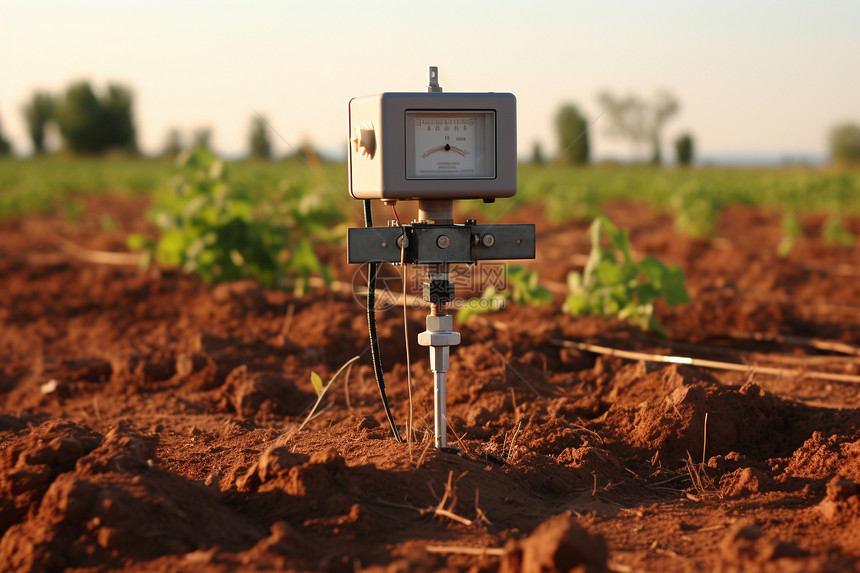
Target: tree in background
{"type": "Point", "coordinates": [638, 120]}
{"type": "Point", "coordinates": [89, 124]}
{"type": "Point", "coordinates": [537, 153]}
{"type": "Point", "coordinates": [5, 146]}
{"type": "Point", "coordinates": [78, 115]}
{"type": "Point", "coordinates": [202, 139]}
{"type": "Point", "coordinates": [684, 149]}
{"type": "Point", "coordinates": [572, 134]}
{"type": "Point", "coordinates": [38, 113]}
{"type": "Point", "coordinates": [173, 144]}
{"type": "Point", "coordinates": [261, 147]}
{"type": "Point", "coordinates": [119, 128]}
{"type": "Point", "coordinates": [845, 143]}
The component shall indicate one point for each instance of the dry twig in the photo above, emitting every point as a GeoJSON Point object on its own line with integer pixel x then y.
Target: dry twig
{"type": "Point", "coordinates": [510, 453]}
{"type": "Point", "coordinates": [423, 453]}
{"type": "Point", "coordinates": [288, 320]}
{"type": "Point", "coordinates": [346, 387]}
{"type": "Point", "coordinates": [631, 355]}
{"type": "Point", "coordinates": [449, 499]}
{"type": "Point", "coordinates": [817, 343]}
{"type": "Point", "coordinates": [702, 483]}
{"type": "Point", "coordinates": [481, 551]}
{"type": "Point", "coordinates": [459, 440]}
{"type": "Point", "coordinates": [92, 256]}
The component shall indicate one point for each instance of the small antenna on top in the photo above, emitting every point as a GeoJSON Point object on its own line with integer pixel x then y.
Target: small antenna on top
{"type": "Point", "coordinates": [434, 86]}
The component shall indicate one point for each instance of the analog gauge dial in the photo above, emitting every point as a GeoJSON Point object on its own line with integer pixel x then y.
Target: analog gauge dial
{"type": "Point", "coordinates": [450, 145]}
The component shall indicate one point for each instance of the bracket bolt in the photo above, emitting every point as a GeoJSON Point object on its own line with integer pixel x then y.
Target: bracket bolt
{"type": "Point", "coordinates": [488, 240]}
{"type": "Point", "coordinates": [400, 241]}
{"type": "Point", "coordinates": [443, 241]}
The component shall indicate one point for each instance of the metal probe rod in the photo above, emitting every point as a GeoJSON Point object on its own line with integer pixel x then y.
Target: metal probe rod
{"type": "Point", "coordinates": [440, 425]}
{"type": "Point", "coordinates": [439, 334]}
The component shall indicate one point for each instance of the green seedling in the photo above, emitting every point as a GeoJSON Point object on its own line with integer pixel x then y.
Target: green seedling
{"type": "Point", "coordinates": [833, 232]}
{"type": "Point", "coordinates": [316, 382]}
{"type": "Point", "coordinates": [221, 232]}
{"type": "Point", "coordinates": [320, 390]}
{"type": "Point", "coordinates": [613, 284]}
{"type": "Point", "coordinates": [491, 300]}
{"type": "Point", "coordinates": [697, 210]}
{"type": "Point", "coordinates": [522, 288]}
{"type": "Point", "coordinates": [791, 231]}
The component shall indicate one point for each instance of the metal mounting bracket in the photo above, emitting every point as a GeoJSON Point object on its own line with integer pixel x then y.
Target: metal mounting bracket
{"type": "Point", "coordinates": [428, 244]}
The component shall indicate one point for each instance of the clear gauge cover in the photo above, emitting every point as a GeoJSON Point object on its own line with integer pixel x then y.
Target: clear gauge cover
{"type": "Point", "coordinates": [450, 144]}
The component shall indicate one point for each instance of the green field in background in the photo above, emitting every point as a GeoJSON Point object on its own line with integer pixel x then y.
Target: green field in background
{"type": "Point", "coordinates": [568, 190]}
{"type": "Point", "coordinates": [33, 185]}
{"type": "Point", "coordinates": [46, 184]}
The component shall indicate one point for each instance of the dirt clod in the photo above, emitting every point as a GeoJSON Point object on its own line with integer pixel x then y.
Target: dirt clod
{"type": "Point", "coordinates": [558, 545]}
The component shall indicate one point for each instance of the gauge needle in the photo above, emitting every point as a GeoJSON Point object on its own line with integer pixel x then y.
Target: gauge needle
{"type": "Point", "coordinates": [445, 147]}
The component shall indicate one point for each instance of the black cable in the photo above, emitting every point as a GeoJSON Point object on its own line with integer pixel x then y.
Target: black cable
{"type": "Point", "coordinates": [371, 326]}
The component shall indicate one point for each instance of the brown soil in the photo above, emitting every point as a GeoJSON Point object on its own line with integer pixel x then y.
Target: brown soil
{"type": "Point", "coordinates": [149, 422]}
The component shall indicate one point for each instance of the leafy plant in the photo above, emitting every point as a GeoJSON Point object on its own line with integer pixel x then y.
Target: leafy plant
{"type": "Point", "coordinates": [833, 232]}
{"type": "Point", "coordinates": [613, 284]}
{"type": "Point", "coordinates": [522, 288]}
{"type": "Point", "coordinates": [220, 233]}
{"type": "Point", "coordinates": [791, 231]}
{"type": "Point", "coordinates": [561, 203]}
{"type": "Point", "coordinates": [696, 210]}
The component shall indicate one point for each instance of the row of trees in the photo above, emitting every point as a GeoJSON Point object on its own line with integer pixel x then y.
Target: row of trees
{"type": "Point", "coordinates": [94, 123]}
{"type": "Point", "coordinates": [88, 122]}
{"type": "Point", "coordinates": [639, 121]}
{"type": "Point", "coordinates": [259, 144]}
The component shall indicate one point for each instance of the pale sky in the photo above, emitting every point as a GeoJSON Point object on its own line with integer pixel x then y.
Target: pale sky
{"type": "Point", "coordinates": [765, 77]}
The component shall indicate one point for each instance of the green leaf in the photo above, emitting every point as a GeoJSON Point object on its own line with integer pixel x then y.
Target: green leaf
{"type": "Point", "coordinates": [490, 301]}
{"type": "Point", "coordinates": [833, 232]}
{"type": "Point", "coordinates": [576, 304]}
{"type": "Point", "coordinates": [613, 284]}
{"type": "Point", "coordinates": [135, 241]}
{"type": "Point", "coordinates": [316, 381]}
{"type": "Point", "coordinates": [610, 274]}
{"type": "Point", "coordinates": [674, 292]}
{"type": "Point", "coordinates": [574, 282]}
{"type": "Point", "coordinates": [171, 247]}
{"type": "Point", "coordinates": [653, 269]}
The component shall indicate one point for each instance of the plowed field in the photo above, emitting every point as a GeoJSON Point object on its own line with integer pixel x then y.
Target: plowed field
{"type": "Point", "coordinates": [149, 421]}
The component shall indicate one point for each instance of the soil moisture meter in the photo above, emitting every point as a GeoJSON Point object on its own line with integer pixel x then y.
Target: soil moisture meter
{"type": "Point", "coordinates": [435, 148]}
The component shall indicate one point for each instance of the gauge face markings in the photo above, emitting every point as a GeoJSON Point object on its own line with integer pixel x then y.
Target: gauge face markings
{"type": "Point", "coordinates": [444, 144]}
{"type": "Point", "coordinates": [446, 147]}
